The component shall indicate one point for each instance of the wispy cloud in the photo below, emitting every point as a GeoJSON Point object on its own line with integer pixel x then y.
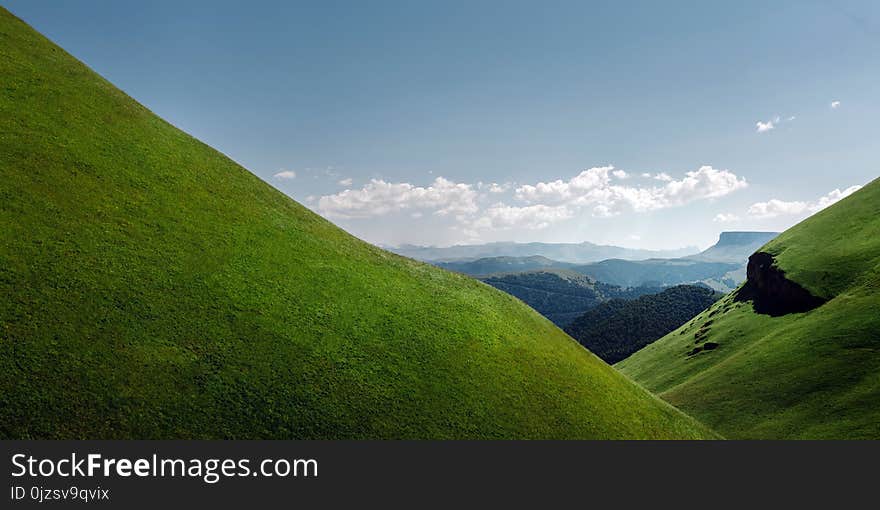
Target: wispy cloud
{"type": "Point", "coordinates": [835, 105]}
{"type": "Point", "coordinates": [285, 174]}
{"type": "Point", "coordinates": [725, 218]}
{"type": "Point", "coordinates": [345, 182]}
{"type": "Point", "coordinates": [763, 127]}
{"type": "Point", "coordinates": [769, 125]}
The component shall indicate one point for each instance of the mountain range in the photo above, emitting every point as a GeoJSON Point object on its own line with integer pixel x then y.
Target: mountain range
{"type": "Point", "coordinates": [575, 253]}
{"type": "Point", "coordinates": [721, 266]}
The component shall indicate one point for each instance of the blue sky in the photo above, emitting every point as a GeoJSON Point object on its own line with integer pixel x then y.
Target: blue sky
{"type": "Point", "coordinates": [629, 123]}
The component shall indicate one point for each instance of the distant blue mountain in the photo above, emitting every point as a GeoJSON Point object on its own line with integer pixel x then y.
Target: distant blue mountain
{"type": "Point", "coordinates": [580, 253]}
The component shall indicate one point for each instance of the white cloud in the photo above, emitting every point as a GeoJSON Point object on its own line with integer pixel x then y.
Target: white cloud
{"type": "Point", "coordinates": [562, 191]}
{"type": "Point", "coordinates": [835, 104]}
{"type": "Point", "coordinates": [499, 188]}
{"type": "Point", "coordinates": [773, 208]}
{"type": "Point", "coordinates": [285, 174]}
{"type": "Point", "coordinates": [834, 196]}
{"type": "Point", "coordinates": [379, 197]}
{"type": "Point", "coordinates": [763, 127]}
{"type": "Point", "coordinates": [345, 182]}
{"type": "Point", "coordinates": [635, 237]}
{"type": "Point", "coordinates": [646, 175]}
{"type": "Point", "coordinates": [593, 191]}
{"type": "Point", "coordinates": [725, 218]}
{"type": "Point", "coordinates": [593, 188]}
{"type": "Point", "coordinates": [598, 192]}
{"type": "Point", "coordinates": [533, 217]}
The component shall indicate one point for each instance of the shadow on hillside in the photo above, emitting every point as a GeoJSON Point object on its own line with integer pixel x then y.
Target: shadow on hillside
{"type": "Point", "coordinates": [771, 292]}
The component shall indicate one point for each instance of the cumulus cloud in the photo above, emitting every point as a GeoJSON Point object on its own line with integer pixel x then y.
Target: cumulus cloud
{"type": "Point", "coordinates": [835, 104]}
{"type": "Point", "coordinates": [594, 192]}
{"type": "Point", "coordinates": [834, 196]}
{"type": "Point", "coordinates": [499, 188]}
{"type": "Point", "coordinates": [593, 188]}
{"type": "Point", "coordinates": [378, 198]}
{"type": "Point", "coordinates": [725, 218]}
{"type": "Point", "coordinates": [345, 182]}
{"type": "Point", "coordinates": [598, 192]}
{"type": "Point", "coordinates": [773, 208]}
{"type": "Point", "coordinates": [285, 174]}
{"type": "Point", "coordinates": [533, 217]}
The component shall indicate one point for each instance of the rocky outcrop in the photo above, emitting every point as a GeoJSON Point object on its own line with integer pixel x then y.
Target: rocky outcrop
{"type": "Point", "coordinates": [771, 292]}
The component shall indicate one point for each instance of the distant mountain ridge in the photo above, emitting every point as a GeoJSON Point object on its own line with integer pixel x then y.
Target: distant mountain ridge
{"type": "Point", "coordinates": [577, 253]}
{"type": "Point", "coordinates": [722, 266]}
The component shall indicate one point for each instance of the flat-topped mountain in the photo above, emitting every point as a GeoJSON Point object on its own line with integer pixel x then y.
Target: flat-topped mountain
{"type": "Point", "coordinates": [735, 246]}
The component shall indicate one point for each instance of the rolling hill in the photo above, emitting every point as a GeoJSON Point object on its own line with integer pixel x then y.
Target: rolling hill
{"type": "Point", "coordinates": [153, 288]}
{"type": "Point", "coordinates": [561, 295]}
{"type": "Point", "coordinates": [617, 328]}
{"type": "Point", "coordinates": [795, 352]}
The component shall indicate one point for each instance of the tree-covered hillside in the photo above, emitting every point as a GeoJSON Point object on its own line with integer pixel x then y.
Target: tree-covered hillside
{"type": "Point", "coordinates": [615, 329]}
{"type": "Point", "coordinates": [561, 295]}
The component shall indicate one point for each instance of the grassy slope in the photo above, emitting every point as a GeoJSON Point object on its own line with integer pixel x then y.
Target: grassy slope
{"type": "Point", "coordinates": [153, 288]}
{"type": "Point", "coordinates": [810, 375]}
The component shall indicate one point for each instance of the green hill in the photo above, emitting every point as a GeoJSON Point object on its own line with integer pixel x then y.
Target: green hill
{"type": "Point", "coordinates": [814, 373]}
{"type": "Point", "coordinates": [152, 288]}
{"type": "Point", "coordinates": [615, 329]}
